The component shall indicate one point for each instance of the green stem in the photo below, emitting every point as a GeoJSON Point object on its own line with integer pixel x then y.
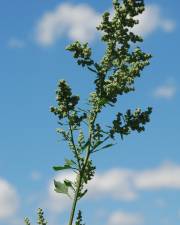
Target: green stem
{"type": "Point", "coordinates": [80, 176]}
{"type": "Point", "coordinates": [75, 199]}
{"type": "Point", "coordinates": [72, 140]}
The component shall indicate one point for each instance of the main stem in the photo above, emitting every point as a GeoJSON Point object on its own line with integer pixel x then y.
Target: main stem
{"type": "Point", "coordinates": [80, 176]}
{"type": "Point", "coordinates": [75, 199]}
{"type": "Point", "coordinates": [79, 179]}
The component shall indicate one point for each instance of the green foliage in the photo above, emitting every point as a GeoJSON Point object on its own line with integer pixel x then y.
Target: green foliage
{"type": "Point", "coordinates": [115, 75]}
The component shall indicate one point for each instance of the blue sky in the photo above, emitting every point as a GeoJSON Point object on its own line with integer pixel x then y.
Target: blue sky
{"type": "Point", "coordinates": [138, 180]}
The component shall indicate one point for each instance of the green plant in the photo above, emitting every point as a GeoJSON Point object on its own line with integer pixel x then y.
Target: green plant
{"type": "Point", "coordinates": [40, 218]}
{"type": "Point", "coordinates": [115, 75]}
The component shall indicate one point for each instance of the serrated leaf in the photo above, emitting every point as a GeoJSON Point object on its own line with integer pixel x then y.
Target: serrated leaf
{"type": "Point", "coordinates": [60, 187]}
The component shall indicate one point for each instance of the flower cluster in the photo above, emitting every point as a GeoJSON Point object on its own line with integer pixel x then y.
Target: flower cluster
{"type": "Point", "coordinates": [124, 124]}
{"type": "Point", "coordinates": [66, 101]}
{"type": "Point", "coordinates": [81, 52]}
{"type": "Point", "coordinates": [40, 219]}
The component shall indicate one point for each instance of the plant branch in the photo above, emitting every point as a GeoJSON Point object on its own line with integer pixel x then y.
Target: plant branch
{"type": "Point", "coordinates": [72, 140]}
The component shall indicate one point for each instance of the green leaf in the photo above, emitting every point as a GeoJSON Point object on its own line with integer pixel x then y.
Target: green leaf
{"type": "Point", "coordinates": [68, 183]}
{"type": "Point", "coordinates": [107, 146]}
{"type": "Point", "coordinates": [58, 168]}
{"type": "Point", "coordinates": [97, 144]}
{"type": "Point", "coordinates": [60, 187]}
{"type": "Point", "coordinates": [82, 194]}
{"type": "Point", "coordinates": [94, 71]}
{"type": "Point", "coordinates": [69, 162]}
{"type": "Point", "coordinates": [67, 165]}
{"type": "Point", "coordinates": [85, 145]}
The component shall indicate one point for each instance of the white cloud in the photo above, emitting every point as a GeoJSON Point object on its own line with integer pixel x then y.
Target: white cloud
{"type": "Point", "coordinates": [8, 200]}
{"type": "Point", "coordinates": [16, 43]}
{"type": "Point", "coordinates": [74, 21]}
{"type": "Point", "coordinates": [119, 184]}
{"type": "Point", "coordinates": [78, 22]}
{"type": "Point", "coordinates": [115, 183]}
{"type": "Point", "coordinates": [166, 176]}
{"type": "Point", "coordinates": [124, 218]}
{"type": "Point", "coordinates": [151, 20]}
{"type": "Point", "coordinates": [166, 91]}
{"type": "Point", "coordinates": [124, 184]}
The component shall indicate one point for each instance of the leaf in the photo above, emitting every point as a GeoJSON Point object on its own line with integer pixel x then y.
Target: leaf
{"type": "Point", "coordinates": [104, 147]}
{"type": "Point", "coordinates": [82, 194]}
{"type": "Point", "coordinates": [97, 144]}
{"type": "Point", "coordinates": [107, 146]}
{"type": "Point", "coordinates": [58, 168]}
{"type": "Point", "coordinates": [94, 71]}
{"type": "Point", "coordinates": [68, 183]}
{"type": "Point", "coordinates": [85, 145]}
{"type": "Point", "coordinates": [67, 165]}
{"type": "Point", "coordinates": [60, 187]}
{"type": "Point", "coordinates": [69, 162]}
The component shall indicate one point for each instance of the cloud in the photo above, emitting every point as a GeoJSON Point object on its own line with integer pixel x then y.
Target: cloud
{"type": "Point", "coordinates": [74, 21]}
{"type": "Point", "coordinates": [119, 184]}
{"type": "Point", "coordinates": [16, 43]}
{"type": "Point", "coordinates": [151, 20]}
{"type": "Point", "coordinates": [78, 22]}
{"type": "Point", "coordinates": [166, 91]}
{"type": "Point", "coordinates": [166, 176]}
{"type": "Point", "coordinates": [124, 184]}
{"type": "Point", "coordinates": [9, 201]}
{"type": "Point", "coordinates": [115, 183]}
{"type": "Point", "coordinates": [124, 218]}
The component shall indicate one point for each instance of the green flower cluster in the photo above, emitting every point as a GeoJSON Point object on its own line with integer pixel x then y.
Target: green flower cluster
{"type": "Point", "coordinates": [79, 219]}
{"type": "Point", "coordinates": [66, 101]}
{"type": "Point", "coordinates": [81, 52]}
{"type": "Point", "coordinates": [124, 124]}
{"type": "Point", "coordinates": [40, 219]}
